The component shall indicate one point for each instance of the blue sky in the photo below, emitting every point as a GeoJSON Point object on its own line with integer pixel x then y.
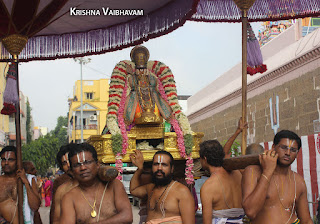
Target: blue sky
{"type": "Point", "coordinates": [197, 54]}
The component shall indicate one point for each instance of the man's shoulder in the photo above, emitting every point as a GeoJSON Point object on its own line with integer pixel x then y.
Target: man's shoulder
{"type": "Point", "coordinates": [211, 184]}
{"type": "Point", "coordinates": [181, 188]}
{"type": "Point", "coordinates": [73, 191]}
{"type": "Point", "coordinates": [61, 179]}
{"type": "Point", "coordinates": [252, 168]}
{"type": "Point", "coordinates": [63, 187]}
{"type": "Point", "coordinates": [299, 180]}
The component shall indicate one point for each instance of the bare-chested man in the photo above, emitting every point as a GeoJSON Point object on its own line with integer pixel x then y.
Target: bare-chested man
{"type": "Point", "coordinates": [168, 201]}
{"type": "Point", "coordinates": [63, 183]}
{"type": "Point", "coordinates": [8, 186]}
{"type": "Point", "coordinates": [93, 201]}
{"type": "Point", "coordinates": [272, 193]}
{"type": "Point", "coordinates": [31, 173]}
{"type": "Point", "coordinates": [221, 193]}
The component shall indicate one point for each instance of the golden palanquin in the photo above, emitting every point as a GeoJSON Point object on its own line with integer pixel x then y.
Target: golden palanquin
{"type": "Point", "coordinates": [102, 144]}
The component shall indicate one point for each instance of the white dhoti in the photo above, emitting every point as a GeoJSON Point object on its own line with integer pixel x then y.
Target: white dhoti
{"type": "Point", "coordinates": [233, 215]}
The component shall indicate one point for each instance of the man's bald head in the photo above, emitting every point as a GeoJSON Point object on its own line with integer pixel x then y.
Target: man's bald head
{"type": "Point", "coordinates": [29, 167]}
{"type": "Point", "coordinates": [254, 148]}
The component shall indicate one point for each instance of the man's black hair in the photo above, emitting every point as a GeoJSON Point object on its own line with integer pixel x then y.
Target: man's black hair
{"type": "Point", "coordinates": [82, 147]}
{"type": "Point", "coordinates": [63, 150]}
{"type": "Point", "coordinates": [9, 149]}
{"type": "Point", "coordinates": [163, 152]}
{"type": "Point", "coordinates": [287, 134]}
{"type": "Point", "coordinates": [213, 151]}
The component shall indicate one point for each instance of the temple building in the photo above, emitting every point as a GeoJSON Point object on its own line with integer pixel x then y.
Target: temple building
{"type": "Point", "coordinates": [287, 96]}
{"type": "Point", "coordinates": [95, 106]}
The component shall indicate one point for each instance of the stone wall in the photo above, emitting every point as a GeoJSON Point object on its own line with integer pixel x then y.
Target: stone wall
{"type": "Point", "coordinates": [299, 101]}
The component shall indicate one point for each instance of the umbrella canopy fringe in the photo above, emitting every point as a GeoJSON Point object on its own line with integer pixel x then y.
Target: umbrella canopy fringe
{"type": "Point", "coordinates": [262, 10]}
{"type": "Point", "coordinates": [116, 37]}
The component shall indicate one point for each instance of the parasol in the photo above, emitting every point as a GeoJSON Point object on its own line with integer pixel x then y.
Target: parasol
{"type": "Point", "coordinates": [51, 29]}
{"type": "Point", "coordinates": [252, 10]}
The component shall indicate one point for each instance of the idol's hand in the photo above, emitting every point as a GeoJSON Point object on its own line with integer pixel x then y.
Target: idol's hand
{"type": "Point", "coordinates": [268, 162]}
{"type": "Point", "coordinates": [137, 159]}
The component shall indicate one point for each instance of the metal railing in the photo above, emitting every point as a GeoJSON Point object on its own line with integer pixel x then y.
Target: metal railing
{"type": "Point", "coordinates": [87, 127]}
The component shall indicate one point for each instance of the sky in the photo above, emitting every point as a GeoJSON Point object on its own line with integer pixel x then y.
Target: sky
{"type": "Point", "coordinates": [197, 53]}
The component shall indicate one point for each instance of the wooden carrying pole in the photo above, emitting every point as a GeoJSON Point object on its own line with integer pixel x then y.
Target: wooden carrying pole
{"type": "Point", "coordinates": [19, 150]}
{"type": "Point", "coordinates": [244, 80]}
{"type": "Point", "coordinates": [14, 44]}
{"type": "Point", "coordinates": [240, 162]}
{"type": "Point", "coordinates": [244, 6]}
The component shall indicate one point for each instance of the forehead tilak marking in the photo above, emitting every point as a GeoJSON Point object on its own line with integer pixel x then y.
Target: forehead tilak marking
{"type": "Point", "coordinates": [78, 157]}
{"type": "Point", "coordinates": [67, 156]}
{"type": "Point", "coordinates": [7, 154]}
{"type": "Point", "coordinates": [83, 157]}
{"type": "Point", "coordinates": [160, 158]}
{"type": "Point", "coordinates": [291, 143]}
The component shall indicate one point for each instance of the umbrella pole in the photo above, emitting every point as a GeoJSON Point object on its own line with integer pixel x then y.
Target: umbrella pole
{"type": "Point", "coordinates": [14, 44]}
{"type": "Point", "coordinates": [19, 151]}
{"type": "Point", "coordinates": [244, 79]}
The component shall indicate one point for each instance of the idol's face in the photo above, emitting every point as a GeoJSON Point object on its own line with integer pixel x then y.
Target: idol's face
{"type": "Point", "coordinates": [8, 162]}
{"type": "Point", "coordinates": [84, 167]}
{"type": "Point", "coordinates": [140, 60]}
{"type": "Point", "coordinates": [287, 151]}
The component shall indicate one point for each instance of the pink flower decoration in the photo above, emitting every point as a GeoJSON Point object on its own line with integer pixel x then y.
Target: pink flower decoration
{"type": "Point", "coordinates": [119, 165]}
{"type": "Point", "coordinates": [180, 139]}
{"type": "Point", "coordinates": [121, 123]}
{"type": "Point", "coordinates": [162, 92]}
{"type": "Point", "coordinates": [188, 170]}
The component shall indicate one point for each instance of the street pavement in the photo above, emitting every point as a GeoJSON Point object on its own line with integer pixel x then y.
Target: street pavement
{"type": "Point", "coordinates": [45, 214]}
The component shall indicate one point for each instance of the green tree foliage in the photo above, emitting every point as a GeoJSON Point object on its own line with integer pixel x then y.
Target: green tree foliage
{"type": "Point", "coordinates": [235, 148]}
{"type": "Point", "coordinates": [42, 152]}
{"type": "Point", "coordinates": [28, 123]}
{"type": "Point", "coordinates": [61, 130]}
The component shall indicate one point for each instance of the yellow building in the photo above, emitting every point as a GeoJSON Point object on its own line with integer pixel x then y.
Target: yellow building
{"type": "Point", "coordinates": [95, 108]}
{"type": "Point", "coordinates": [4, 119]}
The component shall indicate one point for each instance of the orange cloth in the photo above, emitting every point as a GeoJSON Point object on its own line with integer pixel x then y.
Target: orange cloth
{"type": "Point", "coordinates": [168, 220]}
{"type": "Point", "coordinates": [139, 111]}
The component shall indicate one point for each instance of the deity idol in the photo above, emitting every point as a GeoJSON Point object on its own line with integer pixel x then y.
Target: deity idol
{"type": "Point", "coordinates": [141, 94]}
{"type": "Point", "coordinates": [144, 104]}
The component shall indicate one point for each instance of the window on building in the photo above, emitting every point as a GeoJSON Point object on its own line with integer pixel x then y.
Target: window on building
{"type": "Point", "coordinates": [89, 96]}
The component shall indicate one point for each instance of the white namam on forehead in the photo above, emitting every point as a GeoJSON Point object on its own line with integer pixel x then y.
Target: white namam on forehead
{"type": "Point", "coordinates": [7, 155]}
{"type": "Point", "coordinates": [79, 156]}
{"type": "Point", "coordinates": [66, 158]}
{"type": "Point", "coordinates": [160, 159]}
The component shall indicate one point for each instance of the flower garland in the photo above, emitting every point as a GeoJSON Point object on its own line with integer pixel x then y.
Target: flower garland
{"type": "Point", "coordinates": [168, 91]}
{"type": "Point", "coordinates": [119, 165]}
{"type": "Point", "coordinates": [121, 121]}
{"type": "Point", "coordinates": [116, 101]}
{"type": "Point", "coordinates": [188, 170]}
{"type": "Point", "coordinates": [115, 122]}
